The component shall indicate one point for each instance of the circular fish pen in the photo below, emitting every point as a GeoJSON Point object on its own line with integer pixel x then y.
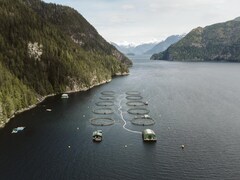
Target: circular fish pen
{"type": "Point", "coordinates": [133, 93]}
{"type": "Point", "coordinates": [138, 111]}
{"type": "Point", "coordinates": [107, 97]}
{"type": "Point", "coordinates": [105, 103]}
{"type": "Point", "coordinates": [103, 111]}
{"type": "Point", "coordinates": [108, 93]}
{"type": "Point", "coordinates": [135, 103]}
{"type": "Point", "coordinates": [134, 97]}
{"type": "Point", "coordinates": [141, 121]}
{"type": "Point", "coordinates": [102, 121]}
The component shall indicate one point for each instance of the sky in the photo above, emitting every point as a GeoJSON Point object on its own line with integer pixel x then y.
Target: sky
{"type": "Point", "coordinates": [142, 21]}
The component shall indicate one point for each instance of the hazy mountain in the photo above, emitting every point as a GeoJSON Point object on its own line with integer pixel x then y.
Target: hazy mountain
{"type": "Point", "coordinates": [47, 49]}
{"type": "Point", "coordinates": [125, 49]}
{"type": "Point", "coordinates": [163, 45]}
{"type": "Point", "coordinates": [217, 42]}
{"type": "Point", "coordinates": [141, 49]}
{"type": "Point", "coordinates": [138, 50]}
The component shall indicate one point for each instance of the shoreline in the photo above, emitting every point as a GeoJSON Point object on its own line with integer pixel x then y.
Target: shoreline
{"type": "Point", "coordinates": [41, 99]}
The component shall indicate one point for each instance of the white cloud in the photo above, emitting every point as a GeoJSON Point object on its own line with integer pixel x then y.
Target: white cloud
{"type": "Point", "coordinates": [142, 20]}
{"type": "Point", "coordinates": [128, 7]}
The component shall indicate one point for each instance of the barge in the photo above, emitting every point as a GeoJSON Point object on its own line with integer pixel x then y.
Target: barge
{"type": "Point", "coordinates": [97, 136]}
{"type": "Point", "coordinates": [149, 135]}
{"type": "Point", "coordinates": [64, 96]}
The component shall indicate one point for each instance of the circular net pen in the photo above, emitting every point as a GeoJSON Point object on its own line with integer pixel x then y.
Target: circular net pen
{"type": "Point", "coordinates": [138, 111]}
{"type": "Point", "coordinates": [141, 121]}
{"type": "Point", "coordinates": [105, 103]}
{"type": "Point", "coordinates": [102, 121]}
{"type": "Point", "coordinates": [133, 93]}
{"type": "Point", "coordinates": [134, 97]}
{"type": "Point", "coordinates": [103, 111]}
{"type": "Point", "coordinates": [108, 93]}
{"type": "Point", "coordinates": [135, 103]}
{"type": "Point", "coordinates": [107, 97]}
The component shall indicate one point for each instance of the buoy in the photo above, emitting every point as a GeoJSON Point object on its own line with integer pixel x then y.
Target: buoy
{"type": "Point", "coordinates": [83, 115]}
{"type": "Point", "coordinates": [182, 146]}
{"type": "Point", "coordinates": [69, 146]}
{"type": "Point", "coordinates": [125, 146]}
{"type": "Point", "coordinates": [77, 128]}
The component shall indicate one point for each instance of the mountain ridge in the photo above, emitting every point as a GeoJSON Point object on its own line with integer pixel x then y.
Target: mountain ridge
{"type": "Point", "coordinates": [148, 48]}
{"type": "Point", "coordinates": [163, 45]}
{"type": "Point", "coordinates": [137, 49]}
{"type": "Point", "coordinates": [217, 42]}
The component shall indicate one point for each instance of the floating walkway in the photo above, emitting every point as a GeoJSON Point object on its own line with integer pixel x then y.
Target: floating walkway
{"type": "Point", "coordinates": [124, 125]}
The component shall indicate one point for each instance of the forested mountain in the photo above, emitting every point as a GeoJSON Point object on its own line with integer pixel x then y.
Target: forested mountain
{"type": "Point", "coordinates": [163, 45]}
{"type": "Point", "coordinates": [218, 42]}
{"type": "Point", "coordinates": [48, 48]}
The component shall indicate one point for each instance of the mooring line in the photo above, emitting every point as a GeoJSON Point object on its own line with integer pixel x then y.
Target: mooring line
{"type": "Point", "coordinates": [121, 114]}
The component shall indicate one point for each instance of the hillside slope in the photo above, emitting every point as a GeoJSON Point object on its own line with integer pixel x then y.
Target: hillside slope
{"type": "Point", "coordinates": [46, 49]}
{"type": "Point", "coordinates": [218, 42]}
{"type": "Point", "coordinates": [77, 27]}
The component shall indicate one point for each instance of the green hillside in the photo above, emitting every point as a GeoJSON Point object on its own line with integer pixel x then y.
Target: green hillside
{"type": "Point", "coordinates": [218, 42]}
{"type": "Point", "coordinates": [47, 48]}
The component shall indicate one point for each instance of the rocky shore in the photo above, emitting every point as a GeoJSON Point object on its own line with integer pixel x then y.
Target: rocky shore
{"type": "Point", "coordinates": [42, 98]}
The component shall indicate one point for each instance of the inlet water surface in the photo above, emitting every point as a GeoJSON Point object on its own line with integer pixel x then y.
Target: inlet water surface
{"type": "Point", "coordinates": [195, 104]}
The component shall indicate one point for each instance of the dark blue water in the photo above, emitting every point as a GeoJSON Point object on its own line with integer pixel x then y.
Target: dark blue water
{"type": "Point", "coordinates": [195, 104]}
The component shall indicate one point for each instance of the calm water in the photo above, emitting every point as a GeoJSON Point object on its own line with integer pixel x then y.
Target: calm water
{"type": "Point", "coordinates": [196, 104]}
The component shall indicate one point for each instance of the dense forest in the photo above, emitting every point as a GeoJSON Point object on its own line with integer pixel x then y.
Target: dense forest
{"type": "Point", "coordinates": [48, 48]}
{"type": "Point", "coordinates": [218, 42]}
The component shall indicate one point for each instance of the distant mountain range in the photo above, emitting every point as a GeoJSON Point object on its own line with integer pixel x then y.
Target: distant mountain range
{"type": "Point", "coordinates": [132, 49]}
{"type": "Point", "coordinates": [163, 45]}
{"type": "Point", "coordinates": [148, 48]}
{"type": "Point", "coordinates": [217, 42]}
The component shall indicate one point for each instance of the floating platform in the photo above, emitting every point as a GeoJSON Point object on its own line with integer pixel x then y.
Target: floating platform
{"type": "Point", "coordinates": [97, 136]}
{"type": "Point", "coordinates": [145, 116]}
{"type": "Point", "coordinates": [149, 135]}
{"type": "Point", "coordinates": [64, 96]}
